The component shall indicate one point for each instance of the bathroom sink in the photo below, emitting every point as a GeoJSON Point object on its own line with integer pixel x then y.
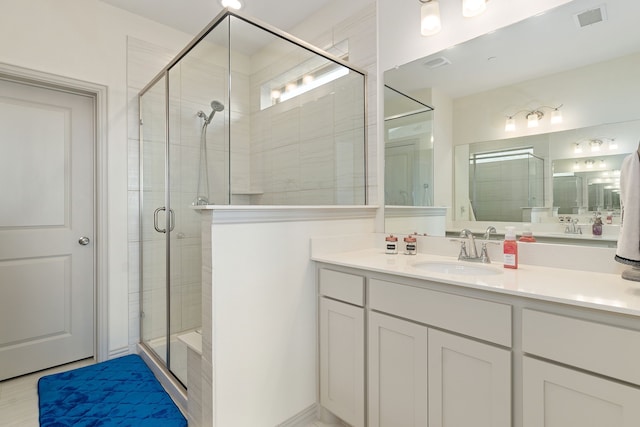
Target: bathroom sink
{"type": "Point", "coordinates": [459, 268]}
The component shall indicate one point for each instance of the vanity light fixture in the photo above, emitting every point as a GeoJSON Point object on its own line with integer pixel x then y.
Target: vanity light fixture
{"type": "Point", "coordinates": [595, 145]}
{"type": "Point", "coordinates": [430, 17]}
{"type": "Point", "coordinates": [577, 149]}
{"type": "Point", "coordinates": [232, 4]}
{"type": "Point", "coordinates": [430, 23]}
{"type": "Point", "coordinates": [471, 8]}
{"type": "Point", "coordinates": [533, 117]}
{"type": "Point", "coordinates": [589, 164]}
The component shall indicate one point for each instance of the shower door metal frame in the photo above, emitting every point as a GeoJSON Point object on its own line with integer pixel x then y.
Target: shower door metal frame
{"type": "Point", "coordinates": [164, 73]}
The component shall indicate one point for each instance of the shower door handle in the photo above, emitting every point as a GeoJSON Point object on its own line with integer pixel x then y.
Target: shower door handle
{"type": "Point", "coordinates": [172, 220]}
{"type": "Point", "coordinates": [155, 220]}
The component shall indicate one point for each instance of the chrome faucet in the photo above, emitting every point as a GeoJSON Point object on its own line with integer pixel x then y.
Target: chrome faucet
{"type": "Point", "coordinates": [473, 251]}
{"type": "Point", "coordinates": [573, 227]}
{"type": "Point", "coordinates": [472, 255]}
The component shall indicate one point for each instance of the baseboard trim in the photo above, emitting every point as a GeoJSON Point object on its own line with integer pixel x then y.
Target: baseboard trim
{"type": "Point", "coordinates": [302, 419]}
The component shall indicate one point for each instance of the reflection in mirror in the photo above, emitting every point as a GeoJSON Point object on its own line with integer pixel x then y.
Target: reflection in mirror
{"type": "Point", "coordinates": [533, 66]}
{"type": "Point", "coordinates": [408, 150]}
{"type": "Point", "coordinates": [539, 177]}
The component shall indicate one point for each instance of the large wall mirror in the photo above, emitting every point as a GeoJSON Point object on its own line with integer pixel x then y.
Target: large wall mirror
{"type": "Point", "coordinates": [543, 113]}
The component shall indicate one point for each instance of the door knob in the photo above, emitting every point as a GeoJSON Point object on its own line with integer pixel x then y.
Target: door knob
{"type": "Point", "coordinates": [84, 241]}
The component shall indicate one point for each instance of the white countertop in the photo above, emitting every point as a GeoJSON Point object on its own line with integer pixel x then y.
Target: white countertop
{"type": "Point", "coordinates": [601, 291]}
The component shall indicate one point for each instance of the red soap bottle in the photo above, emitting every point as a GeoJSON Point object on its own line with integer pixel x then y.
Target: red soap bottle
{"type": "Point", "coordinates": [510, 248]}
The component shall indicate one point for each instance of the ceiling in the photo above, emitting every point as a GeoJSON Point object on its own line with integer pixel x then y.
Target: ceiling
{"type": "Point", "coordinates": [538, 46]}
{"type": "Point", "coordinates": [191, 16]}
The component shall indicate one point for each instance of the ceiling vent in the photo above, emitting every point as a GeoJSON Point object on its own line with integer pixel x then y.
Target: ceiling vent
{"type": "Point", "coordinates": [436, 62]}
{"type": "Point", "coordinates": [591, 16]}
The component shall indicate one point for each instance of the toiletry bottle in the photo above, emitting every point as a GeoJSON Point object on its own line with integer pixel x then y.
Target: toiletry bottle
{"type": "Point", "coordinates": [596, 228]}
{"type": "Point", "coordinates": [510, 248]}
{"type": "Point", "coordinates": [391, 244]}
{"type": "Point", "coordinates": [410, 245]}
{"type": "Point", "coordinates": [527, 234]}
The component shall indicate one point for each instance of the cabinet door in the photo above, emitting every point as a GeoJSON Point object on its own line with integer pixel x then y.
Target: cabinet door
{"type": "Point", "coordinates": [342, 360]}
{"type": "Point", "coordinates": [397, 372]}
{"type": "Point", "coordinates": [555, 396]}
{"type": "Point", "coordinates": [469, 383]}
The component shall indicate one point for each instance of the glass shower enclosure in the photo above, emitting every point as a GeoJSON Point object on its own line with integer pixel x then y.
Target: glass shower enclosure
{"type": "Point", "coordinates": [244, 115]}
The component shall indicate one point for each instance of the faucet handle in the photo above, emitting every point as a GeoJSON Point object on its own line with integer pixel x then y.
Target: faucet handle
{"type": "Point", "coordinates": [484, 254]}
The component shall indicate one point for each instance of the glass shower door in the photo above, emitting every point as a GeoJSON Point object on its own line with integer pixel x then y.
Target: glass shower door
{"type": "Point", "coordinates": [154, 220]}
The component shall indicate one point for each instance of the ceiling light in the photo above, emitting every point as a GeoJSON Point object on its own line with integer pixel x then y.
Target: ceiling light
{"type": "Point", "coordinates": [471, 8]}
{"type": "Point", "coordinates": [231, 4]}
{"type": "Point", "coordinates": [430, 17]}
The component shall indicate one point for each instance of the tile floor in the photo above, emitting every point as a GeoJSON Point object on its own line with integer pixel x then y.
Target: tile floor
{"type": "Point", "coordinates": [19, 396]}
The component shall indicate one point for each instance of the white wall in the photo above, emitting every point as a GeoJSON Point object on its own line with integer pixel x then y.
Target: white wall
{"type": "Point", "coordinates": [264, 299]}
{"type": "Point", "coordinates": [87, 40]}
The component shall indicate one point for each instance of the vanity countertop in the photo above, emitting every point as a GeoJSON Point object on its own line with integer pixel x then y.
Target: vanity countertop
{"type": "Point", "coordinates": [601, 291]}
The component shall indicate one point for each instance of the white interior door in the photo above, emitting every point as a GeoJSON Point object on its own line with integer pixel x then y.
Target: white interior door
{"type": "Point", "coordinates": [46, 227]}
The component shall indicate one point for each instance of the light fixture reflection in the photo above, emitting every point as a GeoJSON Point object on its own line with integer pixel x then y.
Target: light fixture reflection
{"type": "Point", "coordinates": [430, 17]}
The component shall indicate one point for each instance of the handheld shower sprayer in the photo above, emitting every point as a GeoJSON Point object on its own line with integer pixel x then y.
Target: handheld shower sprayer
{"type": "Point", "coordinates": [215, 107]}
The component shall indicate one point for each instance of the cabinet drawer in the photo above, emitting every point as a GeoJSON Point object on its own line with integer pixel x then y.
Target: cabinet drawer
{"type": "Point", "coordinates": [485, 320]}
{"type": "Point", "coordinates": [342, 286]}
{"type": "Point", "coordinates": [604, 349]}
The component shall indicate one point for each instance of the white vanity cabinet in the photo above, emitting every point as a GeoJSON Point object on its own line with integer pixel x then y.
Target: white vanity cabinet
{"type": "Point", "coordinates": [596, 380]}
{"type": "Point", "coordinates": [398, 379]}
{"type": "Point", "coordinates": [342, 346]}
{"type": "Point", "coordinates": [421, 376]}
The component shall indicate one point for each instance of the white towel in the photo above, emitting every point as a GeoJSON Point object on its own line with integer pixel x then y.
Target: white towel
{"type": "Point", "coordinates": [628, 251]}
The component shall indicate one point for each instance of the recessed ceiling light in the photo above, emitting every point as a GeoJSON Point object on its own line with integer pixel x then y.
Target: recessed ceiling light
{"type": "Point", "coordinates": [231, 4]}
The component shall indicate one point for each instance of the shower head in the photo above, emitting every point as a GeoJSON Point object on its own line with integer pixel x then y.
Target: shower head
{"type": "Point", "coordinates": [215, 107]}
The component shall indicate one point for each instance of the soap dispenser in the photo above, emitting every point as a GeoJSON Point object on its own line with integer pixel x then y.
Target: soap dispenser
{"type": "Point", "coordinates": [510, 248]}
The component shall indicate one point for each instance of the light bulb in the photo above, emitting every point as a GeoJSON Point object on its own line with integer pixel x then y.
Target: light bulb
{"type": "Point", "coordinates": [471, 8]}
{"type": "Point", "coordinates": [430, 18]}
{"type": "Point", "coordinates": [532, 119]}
{"type": "Point", "coordinates": [510, 125]}
{"type": "Point", "coordinates": [577, 149]}
{"type": "Point", "coordinates": [231, 4]}
{"type": "Point", "coordinates": [556, 117]}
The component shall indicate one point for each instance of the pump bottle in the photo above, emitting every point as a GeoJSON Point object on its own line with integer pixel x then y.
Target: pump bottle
{"type": "Point", "coordinates": [510, 248]}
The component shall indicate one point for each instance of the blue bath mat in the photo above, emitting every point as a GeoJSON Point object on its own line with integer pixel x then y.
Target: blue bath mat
{"type": "Point", "coordinates": [119, 392]}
